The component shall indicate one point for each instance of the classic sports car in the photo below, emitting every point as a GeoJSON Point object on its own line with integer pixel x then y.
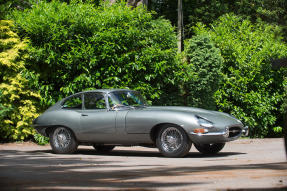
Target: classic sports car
{"type": "Point", "coordinates": [107, 118]}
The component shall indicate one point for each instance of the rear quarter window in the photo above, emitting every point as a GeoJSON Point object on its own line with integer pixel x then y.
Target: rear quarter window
{"type": "Point", "coordinates": [95, 100]}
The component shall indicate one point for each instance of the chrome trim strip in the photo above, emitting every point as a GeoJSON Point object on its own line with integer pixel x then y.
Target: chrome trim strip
{"type": "Point", "coordinates": [208, 134]}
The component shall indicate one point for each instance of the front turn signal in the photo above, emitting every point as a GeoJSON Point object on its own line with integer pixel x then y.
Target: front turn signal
{"type": "Point", "coordinates": [202, 131]}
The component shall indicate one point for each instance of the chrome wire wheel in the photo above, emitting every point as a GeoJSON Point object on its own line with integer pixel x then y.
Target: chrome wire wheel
{"type": "Point", "coordinates": [62, 138]}
{"type": "Point", "coordinates": [171, 139]}
{"type": "Point", "coordinates": [63, 141]}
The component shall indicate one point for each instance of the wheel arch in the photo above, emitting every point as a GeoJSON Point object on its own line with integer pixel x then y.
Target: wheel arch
{"type": "Point", "coordinates": [50, 129]}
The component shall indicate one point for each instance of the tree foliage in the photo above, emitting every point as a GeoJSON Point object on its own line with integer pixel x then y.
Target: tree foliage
{"type": "Point", "coordinates": [251, 90]}
{"type": "Point", "coordinates": [201, 72]}
{"type": "Point", "coordinates": [77, 46]}
{"type": "Point", "coordinates": [207, 12]}
{"type": "Point", "coordinates": [6, 6]}
{"type": "Point", "coordinates": [17, 98]}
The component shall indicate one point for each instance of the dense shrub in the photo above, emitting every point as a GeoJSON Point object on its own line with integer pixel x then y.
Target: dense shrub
{"type": "Point", "coordinates": [251, 90]}
{"type": "Point", "coordinates": [6, 6]}
{"type": "Point", "coordinates": [17, 100]}
{"type": "Point", "coordinates": [4, 109]}
{"type": "Point", "coordinates": [77, 46]}
{"type": "Point", "coordinates": [40, 139]}
{"type": "Point", "coordinates": [284, 106]}
{"type": "Point", "coordinates": [201, 72]}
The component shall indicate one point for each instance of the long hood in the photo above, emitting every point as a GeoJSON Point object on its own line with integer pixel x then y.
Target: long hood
{"type": "Point", "coordinates": [214, 116]}
{"type": "Point", "coordinates": [180, 108]}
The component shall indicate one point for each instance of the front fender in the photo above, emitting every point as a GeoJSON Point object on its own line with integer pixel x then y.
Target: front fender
{"type": "Point", "coordinates": [141, 121]}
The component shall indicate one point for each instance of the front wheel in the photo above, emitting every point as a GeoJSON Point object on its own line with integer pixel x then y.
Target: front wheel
{"type": "Point", "coordinates": [63, 141]}
{"type": "Point", "coordinates": [209, 148]}
{"type": "Point", "coordinates": [172, 141]}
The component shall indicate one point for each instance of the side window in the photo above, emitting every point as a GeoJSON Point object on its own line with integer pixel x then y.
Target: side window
{"type": "Point", "coordinates": [74, 102]}
{"type": "Point", "coordinates": [95, 101]}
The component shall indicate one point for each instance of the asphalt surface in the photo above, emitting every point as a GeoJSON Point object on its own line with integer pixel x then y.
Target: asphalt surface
{"type": "Point", "coordinates": [246, 164]}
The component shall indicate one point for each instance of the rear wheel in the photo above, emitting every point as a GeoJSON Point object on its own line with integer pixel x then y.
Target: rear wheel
{"type": "Point", "coordinates": [172, 141]}
{"type": "Point", "coordinates": [63, 141]}
{"type": "Point", "coordinates": [104, 148]}
{"type": "Point", "coordinates": [209, 148]}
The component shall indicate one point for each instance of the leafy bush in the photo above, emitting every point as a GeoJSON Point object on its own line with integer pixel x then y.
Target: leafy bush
{"type": "Point", "coordinates": [284, 107]}
{"type": "Point", "coordinates": [77, 46]}
{"type": "Point", "coordinates": [17, 99]}
{"type": "Point", "coordinates": [202, 72]}
{"type": "Point", "coordinates": [3, 108]}
{"type": "Point", "coordinates": [40, 139]}
{"type": "Point", "coordinates": [6, 6]}
{"type": "Point", "coordinates": [251, 90]}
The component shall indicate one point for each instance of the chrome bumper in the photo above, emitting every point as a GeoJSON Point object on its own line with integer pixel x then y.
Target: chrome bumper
{"type": "Point", "coordinates": [216, 137]}
{"type": "Point", "coordinates": [244, 132]}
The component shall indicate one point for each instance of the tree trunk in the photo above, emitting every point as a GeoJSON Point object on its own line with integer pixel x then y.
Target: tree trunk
{"type": "Point", "coordinates": [135, 3]}
{"type": "Point", "coordinates": [285, 132]}
{"type": "Point", "coordinates": [145, 3]}
{"type": "Point", "coordinates": [179, 26]}
{"type": "Point", "coordinates": [111, 1]}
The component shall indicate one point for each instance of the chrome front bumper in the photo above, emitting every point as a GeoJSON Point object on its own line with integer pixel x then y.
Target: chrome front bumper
{"type": "Point", "coordinates": [245, 131]}
{"type": "Point", "coordinates": [213, 137]}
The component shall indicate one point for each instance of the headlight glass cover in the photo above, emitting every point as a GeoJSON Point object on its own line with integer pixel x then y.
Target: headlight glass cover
{"type": "Point", "coordinates": [204, 122]}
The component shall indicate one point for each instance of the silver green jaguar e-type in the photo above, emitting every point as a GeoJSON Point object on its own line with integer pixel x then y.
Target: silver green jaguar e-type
{"type": "Point", "coordinates": [107, 118]}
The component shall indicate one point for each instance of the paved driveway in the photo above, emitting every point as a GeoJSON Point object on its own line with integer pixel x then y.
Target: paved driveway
{"type": "Point", "coordinates": [243, 164]}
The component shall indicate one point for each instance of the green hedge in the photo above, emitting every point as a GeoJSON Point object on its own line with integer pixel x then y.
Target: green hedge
{"type": "Point", "coordinates": [77, 46]}
{"type": "Point", "coordinates": [17, 100]}
{"type": "Point", "coordinates": [251, 90]}
{"type": "Point", "coordinates": [202, 64]}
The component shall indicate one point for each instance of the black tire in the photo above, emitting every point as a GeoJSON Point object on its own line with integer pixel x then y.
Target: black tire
{"type": "Point", "coordinates": [209, 148]}
{"type": "Point", "coordinates": [104, 148]}
{"type": "Point", "coordinates": [63, 141]}
{"type": "Point", "coordinates": [172, 141]}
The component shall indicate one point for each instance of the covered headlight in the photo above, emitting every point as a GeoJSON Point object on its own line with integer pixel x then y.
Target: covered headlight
{"type": "Point", "coordinates": [204, 122]}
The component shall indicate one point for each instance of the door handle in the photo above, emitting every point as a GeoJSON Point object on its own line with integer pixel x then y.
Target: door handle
{"type": "Point", "coordinates": [84, 114]}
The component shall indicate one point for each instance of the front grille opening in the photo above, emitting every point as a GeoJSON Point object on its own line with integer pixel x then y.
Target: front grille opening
{"type": "Point", "coordinates": [234, 131]}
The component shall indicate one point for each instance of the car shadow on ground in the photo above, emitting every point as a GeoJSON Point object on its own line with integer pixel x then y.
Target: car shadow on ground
{"type": "Point", "coordinates": [134, 153]}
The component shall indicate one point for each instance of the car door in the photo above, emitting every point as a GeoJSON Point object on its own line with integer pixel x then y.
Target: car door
{"type": "Point", "coordinates": [97, 122]}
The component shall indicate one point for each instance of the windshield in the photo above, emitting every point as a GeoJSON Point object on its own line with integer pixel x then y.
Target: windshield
{"type": "Point", "coordinates": [126, 98]}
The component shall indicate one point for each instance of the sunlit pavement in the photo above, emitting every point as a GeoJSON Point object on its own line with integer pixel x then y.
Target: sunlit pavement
{"type": "Point", "coordinates": [249, 164]}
